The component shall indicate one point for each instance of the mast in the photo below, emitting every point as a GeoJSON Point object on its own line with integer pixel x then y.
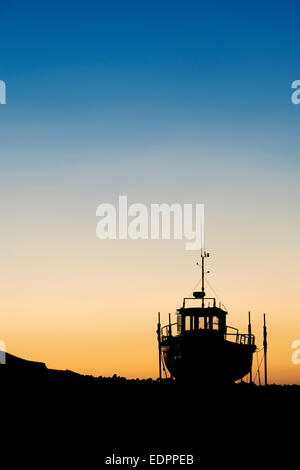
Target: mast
{"type": "Point", "coordinates": [202, 263]}
{"type": "Point", "coordinates": [204, 255]}
{"type": "Point", "coordinates": [265, 349]}
{"type": "Point", "coordinates": [159, 343]}
{"type": "Point", "coordinates": [250, 339]}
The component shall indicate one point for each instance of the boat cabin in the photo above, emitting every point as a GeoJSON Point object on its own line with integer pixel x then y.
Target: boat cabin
{"type": "Point", "coordinates": [205, 317]}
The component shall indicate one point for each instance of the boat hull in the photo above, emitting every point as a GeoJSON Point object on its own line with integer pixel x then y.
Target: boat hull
{"type": "Point", "coordinates": [207, 358]}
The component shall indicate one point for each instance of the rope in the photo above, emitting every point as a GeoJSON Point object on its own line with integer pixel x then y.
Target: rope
{"type": "Point", "coordinates": [163, 364]}
{"type": "Point", "coordinates": [215, 292]}
{"type": "Point", "coordinates": [258, 367]}
{"type": "Point", "coordinates": [206, 280]}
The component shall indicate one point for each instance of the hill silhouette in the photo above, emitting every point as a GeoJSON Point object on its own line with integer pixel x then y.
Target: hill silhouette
{"type": "Point", "coordinates": [68, 417]}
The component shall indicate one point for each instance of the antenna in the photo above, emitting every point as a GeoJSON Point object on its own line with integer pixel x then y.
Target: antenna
{"type": "Point", "coordinates": [204, 255]}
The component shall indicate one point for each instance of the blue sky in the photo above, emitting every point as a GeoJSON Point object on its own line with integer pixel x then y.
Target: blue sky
{"type": "Point", "coordinates": [137, 95]}
{"type": "Point", "coordinates": [165, 101]}
{"type": "Point", "coordinates": [117, 75]}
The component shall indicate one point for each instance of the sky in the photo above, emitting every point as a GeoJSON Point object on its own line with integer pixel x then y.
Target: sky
{"type": "Point", "coordinates": [185, 102]}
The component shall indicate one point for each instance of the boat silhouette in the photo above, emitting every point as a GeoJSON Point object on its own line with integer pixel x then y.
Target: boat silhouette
{"type": "Point", "coordinates": [204, 348]}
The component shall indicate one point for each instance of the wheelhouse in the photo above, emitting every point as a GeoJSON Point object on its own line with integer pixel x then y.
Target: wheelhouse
{"type": "Point", "coordinates": [206, 317]}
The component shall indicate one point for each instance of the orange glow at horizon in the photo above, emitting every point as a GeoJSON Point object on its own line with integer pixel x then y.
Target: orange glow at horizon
{"type": "Point", "coordinates": [101, 319]}
{"type": "Point", "coordinates": [78, 303]}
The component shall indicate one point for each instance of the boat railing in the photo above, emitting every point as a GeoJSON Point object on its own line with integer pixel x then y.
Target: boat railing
{"type": "Point", "coordinates": [233, 335]}
{"type": "Point", "coordinates": [166, 330]}
{"type": "Point", "coordinates": [236, 337]}
{"type": "Point", "coordinates": [240, 338]}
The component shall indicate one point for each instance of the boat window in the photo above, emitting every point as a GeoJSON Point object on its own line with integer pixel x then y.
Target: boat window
{"type": "Point", "coordinates": [215, 323]}
{"type": "Point", "coordinates": [179, 324]}
{"type": "Point", "coordinates": [201, 323]}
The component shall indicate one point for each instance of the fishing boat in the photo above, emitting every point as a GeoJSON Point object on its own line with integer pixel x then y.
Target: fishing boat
{"type": "Point", "coordinates": [203, 347]}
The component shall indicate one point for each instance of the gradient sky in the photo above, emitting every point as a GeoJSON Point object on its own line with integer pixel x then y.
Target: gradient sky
{"type": "Point", "coordinates": [165, 102]}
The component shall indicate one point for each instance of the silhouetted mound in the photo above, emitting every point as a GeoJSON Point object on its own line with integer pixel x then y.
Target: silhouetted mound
{"type": "Point", "coordinates": [19, 364]}
{"type": "Point", "coordinates": [88, 418]}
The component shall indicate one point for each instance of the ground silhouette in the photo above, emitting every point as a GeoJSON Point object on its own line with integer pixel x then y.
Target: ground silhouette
{"type": "Point", "coordinates": [65, 417]}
